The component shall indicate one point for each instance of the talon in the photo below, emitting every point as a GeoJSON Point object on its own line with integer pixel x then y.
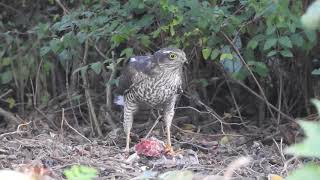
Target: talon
{"type": "Point", "coordinates": [169, 150]}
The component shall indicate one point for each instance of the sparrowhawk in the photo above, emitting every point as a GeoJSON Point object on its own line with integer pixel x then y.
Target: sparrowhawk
{"type": "Point", "coordinates": [153, 81]}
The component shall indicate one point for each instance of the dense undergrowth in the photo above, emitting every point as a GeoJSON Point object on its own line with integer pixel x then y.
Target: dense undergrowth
{"type": "Point", "coordinates": [246, 55]}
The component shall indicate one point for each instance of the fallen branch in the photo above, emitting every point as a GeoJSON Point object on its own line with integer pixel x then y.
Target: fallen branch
{"type": "Point", "coordinates": [15, 132]}
{"type": "Point", "coordinates": [8, 115]}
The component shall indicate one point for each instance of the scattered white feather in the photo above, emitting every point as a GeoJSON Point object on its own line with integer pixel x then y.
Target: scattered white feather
{"type": "Point", "coordinates": [133, 59]}
{"type": "Point", "coordinates": [13, 175]}
{"type": "Point", "coordinates": [119, 100]}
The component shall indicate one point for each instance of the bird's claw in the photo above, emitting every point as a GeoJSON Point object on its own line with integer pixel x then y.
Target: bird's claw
{"type": "Point", "coordinates": [169, 150]}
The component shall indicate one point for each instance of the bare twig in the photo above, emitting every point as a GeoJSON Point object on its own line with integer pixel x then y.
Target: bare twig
{"type": "Point", "coordinates": [93, 115]}
{"type": "Point", "coordinates": [65, 10]}
{"type": "Point", "coordinates": [35, 95]}
{"type": "Point", "coordinates": [242, 161]}
{"type": "Point", "coordinates": [279, 101]}
{"type": "Point", "coordinates": [250, 72]}
{"type": "Point", "coordinates": [64, 120]}
{"type": "Point", "coordinates": [8, 115]}
{"type": "Point", "coordinates": [108, 86]}
{"type": "Point", "coordinates": [15, 132]}
{"type": "Point", "coordinates": [211, 135]}
{"type": "Point", "coordinates": [267, 102]}
{"type": "Point", "coordinates": [209, 109]}
{"type": "Point", "coordinates": [10, 7]}
{"type": "Point", "coordinates": [234, 100]}
{"type": "Point", "coordinates": [153, 126]}
{"type": "Point", "coordinates": [108, 91]}
{"type": "Point", "coordinates": [6, 93]}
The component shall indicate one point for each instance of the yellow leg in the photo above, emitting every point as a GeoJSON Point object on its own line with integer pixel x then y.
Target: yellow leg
{"type": "Point", "coordinates": [168, 116]}
{"type": "Point", "coordinates": [126, 150]}
{"type": "Point", "coordinates": [168, 136]}
{"type": "Point", "coordinates": [129, 110]}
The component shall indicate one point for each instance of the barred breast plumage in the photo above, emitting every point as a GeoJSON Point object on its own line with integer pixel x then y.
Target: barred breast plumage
{"type": "Point", "coordinates": [154, 91]}
{"type": "Point", "coordinates": [152, 81]}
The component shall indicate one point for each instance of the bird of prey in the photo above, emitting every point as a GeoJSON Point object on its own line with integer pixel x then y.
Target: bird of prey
{"type": "Point", "coordinates": [154, 82]}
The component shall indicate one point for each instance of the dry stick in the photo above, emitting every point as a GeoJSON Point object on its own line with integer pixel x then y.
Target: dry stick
{"type": "Point", "coordinates": [234, 100]}
{"type": "Point", "coordinates": [87, 92]}
{"type": "Point", "coordinates": [210, 113]}
{"type": "Point", "coordinates": [242, 161]}
{"type": "Point", "coordinates": [212, 135]}
{"type": "Point", "coordinates": [279, 102]}
{"type": "Point", "coordinates": [11, 8]}
{"type": "Point", "coordinates": [8, 115]}
{"type": "Point", "coordinates": [65, 10]}
{"type": "Point", "coordinates": [108, 90]}
{"type": "Point", "coordinates": [261, 98]}
{"type": "Point", "coordinates": [44, 115]}
{"type": "Point", "coordinates": [6, 93]}
{"type": "Point", "coordinates": [17, 131]}
{"type": "Point", "coordinates": [251, 73]}
{"type": "Point", "coordinates": [64, 120]}
{"type": "Point", "coordinates": [209, 109]}
{"type": "Point", "coordinates": [35, 95]}
{"type": "Point", "coordinates": [153, 126]}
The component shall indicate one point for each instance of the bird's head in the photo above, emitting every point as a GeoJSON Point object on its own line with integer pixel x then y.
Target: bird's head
{"type": "Point", "coordinates": [170, 57]}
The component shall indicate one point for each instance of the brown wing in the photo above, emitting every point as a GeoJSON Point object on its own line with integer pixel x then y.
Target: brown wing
{"type": "Point", "coordinates": [138, 68]}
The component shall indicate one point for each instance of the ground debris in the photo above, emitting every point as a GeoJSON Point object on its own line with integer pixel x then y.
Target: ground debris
{"type": "Point", "coordinates": [60, 153]}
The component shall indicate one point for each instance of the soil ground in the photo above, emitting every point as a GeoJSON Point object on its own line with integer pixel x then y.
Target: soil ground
{"type": "Point", "coordinates": [203, 154]}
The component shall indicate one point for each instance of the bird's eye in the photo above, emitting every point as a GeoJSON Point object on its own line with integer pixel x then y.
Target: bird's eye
{"type": "Point", "coordinates": [172, 56]}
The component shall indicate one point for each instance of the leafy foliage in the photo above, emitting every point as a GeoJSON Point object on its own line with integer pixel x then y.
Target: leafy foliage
{"type": "Point", "coordinates": [309, 147]}
{"type": "Point", "coordinates": [80, 173]}
{"type": "Point", "coordinates": [38, 57]}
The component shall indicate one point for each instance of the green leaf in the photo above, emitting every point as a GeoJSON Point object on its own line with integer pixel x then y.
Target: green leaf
{"type": "Point", "coordinates": [270, 42]}
{"type": "Point", "coordinates": [113, 82]}
{"type": "Point", "coordinates": [285, 42]}
{"type": "Point", "coordinates": [297, 40]}
{"type": "Point", "coordinates": [240, 75]}
{"type": "Point", "coordinates": [6, 77]}
{"type": "Point", "coordinates": [311, 19]}
{"type": "Point", "coordinates": [11, 102]}
{"type": "Point", "coordinates": [128, 52]}
{"type": "Point", "coordinates": [259, 67]}
{"type": "Point", "coordinates": [145, 40]}
{"type": "Point", "coordinates": [310, 171]}
{"type": "Point", "coordinates": [172, 31]}
{"type": "Point", "coordinates": [272, 53]}
{"type": "Point", "coordinates": [252, 44]}
{"type": "Point", "coordinates": [316, 71]}
{"type": "Point", "coordinates": [80, 173]}
{"type": "Point", "coordinates": [69, 40]}
{"type": "Point", "coordinates": [226, 56]}
{"type": "Point", "coordinates": [206, 52]}
{"type": "Point", "coordinates": [5, 61]}
{"type": "Point", "coordinates": [204, 82]}
{"type": "Point", "coordinates": [84, 68]}
{"type": "Point", "coordinates": [214, 54]}
{"type": "Point", "coordinates": [96, 67]}
{"type": "Point", "coordinates": [286, 53]}
{"type": "Point", "coordinates": [311, 35]}
{"type": "Point", "coordinates": [82, 37]}
{"type": "Point", "coordinates": [310, 146]}
{"type": "Point", "coordinates": [44, 50]}
{"type": "Point", "coordinates": [56, 45]}
{"type": "Point", "coordinates": [316, 103]}
{"type": "Point", "coordinates": [270, 30]}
